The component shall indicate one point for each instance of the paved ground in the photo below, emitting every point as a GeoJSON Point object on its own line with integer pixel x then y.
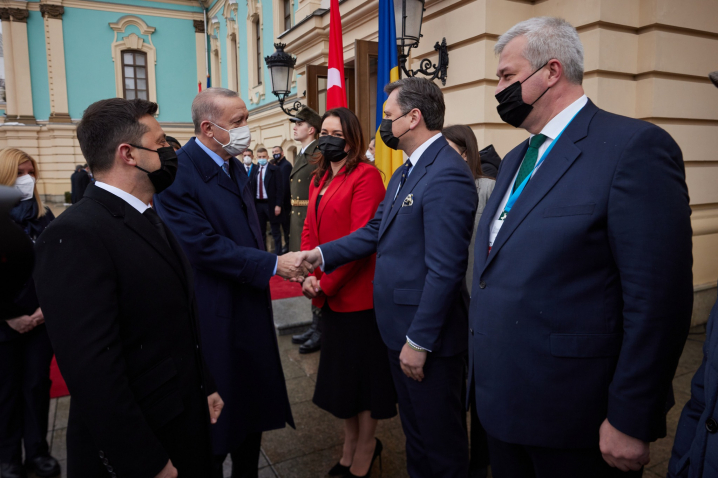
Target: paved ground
{"type": "Point", "coordinates": [314, 447]}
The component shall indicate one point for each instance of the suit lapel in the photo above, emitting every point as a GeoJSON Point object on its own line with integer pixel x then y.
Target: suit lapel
{"type": "Point", "coordinates": [560, 159]}
{"type": "Point", "coordinates": [333, 188]}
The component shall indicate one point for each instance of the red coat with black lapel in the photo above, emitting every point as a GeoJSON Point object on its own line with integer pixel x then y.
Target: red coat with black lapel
{"type": "Point", "coordinates": [348, 204]}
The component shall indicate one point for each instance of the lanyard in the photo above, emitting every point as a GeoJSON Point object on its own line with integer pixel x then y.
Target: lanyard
{"type": "Point", "coordinates": [515, 195]}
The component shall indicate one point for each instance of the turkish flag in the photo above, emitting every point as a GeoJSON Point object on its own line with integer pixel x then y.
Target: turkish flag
{"type": "Point", "coordinates": [336, 90]}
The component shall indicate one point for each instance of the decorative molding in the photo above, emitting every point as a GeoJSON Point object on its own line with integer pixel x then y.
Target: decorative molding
{"type": "Point", "coordinates": [126, 9]}
{"type": "Point", "coordinates": [60, 118]}
{"type": "Point", "coordinates": [134, 42]}
{"type": "Point", "coordinates": [121, 25]}
{"type": "Point", "coordinates": [5, 14]}
{"type": "Point", "coordinates": [52, 11]}
{"type": "Point", "coordinates": [198, 26]}
{"type": "Point", "coordinates": [18, 14]}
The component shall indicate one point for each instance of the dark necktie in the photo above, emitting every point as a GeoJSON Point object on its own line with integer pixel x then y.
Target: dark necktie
{"type": "Point", "coordinates": [527, 165]}
{"type": "Point", "coordinates": [225, 168]}
{"type": "Point", "coordinates": [260, 184]}
{"type": "Point", "coordinates": [404, 175]}
{"type": "Point", "coordinates": [154, 218]}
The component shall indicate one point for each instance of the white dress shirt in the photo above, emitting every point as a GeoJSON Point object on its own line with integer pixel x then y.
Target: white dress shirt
{"type": "Point", "coordinates": [416, 156]}
{"type": "Point", "coordinates": [552, 129]}
{"type": "Point", "coordinates": [125, 196]}
{"type": "Point", "coordinates": [260, 181]}
{"type": "Point", "coordinates": [305, 148]}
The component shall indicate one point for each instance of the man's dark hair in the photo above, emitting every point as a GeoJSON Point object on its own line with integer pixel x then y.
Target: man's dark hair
{"type": "Point", "coordinates": [422, 94]}
{"type": "Point", "coordinates": [108, 123]}
{"type": "Point", "coordinates": [78, 167]}
{"type": "Point", "coordinates": [173, 142]}
{"type": "Point", "coordinates": [280, 148]}
{"type": "Point", "coordinates": [249, 150]}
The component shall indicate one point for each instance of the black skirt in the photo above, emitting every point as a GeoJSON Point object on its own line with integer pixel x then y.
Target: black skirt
{"type": "Point", "coordinates": [354, 374]}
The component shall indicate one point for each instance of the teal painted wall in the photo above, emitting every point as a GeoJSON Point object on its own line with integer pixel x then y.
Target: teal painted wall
{"type": "Point", "coordinates": [38, 66]}
{"type": "Point", "coordinates": [91, 71]}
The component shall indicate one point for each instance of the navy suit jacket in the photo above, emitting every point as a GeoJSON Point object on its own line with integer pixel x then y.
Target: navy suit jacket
{"type": "Point", "coordinates": [581, 310]}
{"type": "Point", "coordinates": [205, 209]}
{"type": "Point", "coordinates": [422, 247]}
{"type": "Point", "coordinates": [273, 185]}
{"type": "Point", "coordinates": [695, 449]}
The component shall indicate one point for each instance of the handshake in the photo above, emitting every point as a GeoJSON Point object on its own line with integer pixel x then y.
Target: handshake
{"type": "Point", "coordinates": [296, 266]}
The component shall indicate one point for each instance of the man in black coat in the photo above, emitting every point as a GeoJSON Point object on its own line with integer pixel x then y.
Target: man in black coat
{"type": "Point", "coordinates": [269, 198]}
{"type": "Point", "coordinates": [285, 167]}
{"type": "Point", "coordinates": [130, 350]}
{"type": "Point", "coordinates": [490, 161]}
{"type": "Point", "coordinates": [79, 181]}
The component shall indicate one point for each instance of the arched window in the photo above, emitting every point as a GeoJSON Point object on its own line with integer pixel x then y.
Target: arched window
{"type": "Point", "coordinates": [134, 75]}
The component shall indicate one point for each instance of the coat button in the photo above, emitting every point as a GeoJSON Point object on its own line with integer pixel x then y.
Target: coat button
{"type": "Point", "coordinates": [712, 425]}
{"type": "Point", "coordinates": [378, 255]}
{"type": "Point", "coordinates": [102, 454]}
{"type": "Point", "coordinates": [482, 285]}
{"type": "Point", "coordinates": [471, 331]}
{"type": "Point", "coordinates": [105, 461]}
{"type": "Point", "coordinates": [299, 180]}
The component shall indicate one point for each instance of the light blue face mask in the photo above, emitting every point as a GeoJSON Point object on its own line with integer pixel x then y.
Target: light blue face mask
{"type": "Point", "coordinates": [262, 161]}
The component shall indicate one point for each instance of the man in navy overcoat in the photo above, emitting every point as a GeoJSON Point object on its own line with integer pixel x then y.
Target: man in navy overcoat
{"type": "Point", "coordinates": [210, 209]}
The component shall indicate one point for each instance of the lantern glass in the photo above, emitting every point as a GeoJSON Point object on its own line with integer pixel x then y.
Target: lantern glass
{"type": "Point", "coordinates": [409, 32]}
{"type": "Point", "coordinates": [281, 79]}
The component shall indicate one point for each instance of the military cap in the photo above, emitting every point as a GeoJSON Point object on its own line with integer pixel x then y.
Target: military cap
{"type": "Point", "coordinates": [310, 116]}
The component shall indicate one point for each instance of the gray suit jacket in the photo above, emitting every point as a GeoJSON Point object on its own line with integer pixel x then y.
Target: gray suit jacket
{"type": "Point", "coordinates": [484, 187]}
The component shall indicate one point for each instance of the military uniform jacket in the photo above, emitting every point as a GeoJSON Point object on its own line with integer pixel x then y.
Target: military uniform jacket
{"type": "Point", "coordinates": [299, 181]}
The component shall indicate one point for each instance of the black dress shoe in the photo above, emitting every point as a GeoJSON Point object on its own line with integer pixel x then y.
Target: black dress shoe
{"type": "Point", "coordinates": [339, 470]}
{"type": "Point", "coordinates": [12, 470]}
{"type": "Point", "coordinates": [44, 466]}
{"type": "Point", "coordinates": [311, 345]}
{"type": "Point", "coordinates": [301, 338]}
{"type": "Point", "coordinates": [378, 448]}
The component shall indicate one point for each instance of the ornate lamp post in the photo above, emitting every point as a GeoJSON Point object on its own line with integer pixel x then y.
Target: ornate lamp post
{"type": "Point", "coordinates": [409, 15]}
{"type": "Point", "coordinates": [281, 69]}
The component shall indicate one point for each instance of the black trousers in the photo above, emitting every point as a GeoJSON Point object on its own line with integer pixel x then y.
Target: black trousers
{"type": "Point", "coordinates": [265, 213]}
{"type": "Point", "coordinates": [24, 395]}
{"type": "Point", "coordinates": [245, 458]}
{"type": "Point", "coordinates": [433, 417]}
{"type": "Point", "coordinates": [520, 461]}
{"type": "Point", "coordinates": [286, 221]}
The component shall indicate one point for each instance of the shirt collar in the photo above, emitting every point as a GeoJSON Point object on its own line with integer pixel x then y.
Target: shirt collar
{"type": "Point", "coordinates": [561, 120]}
{"type": "Point", "coordinates": [125, 196]}
{"type": "Point", "coordinates": [414, 158]}
{"type": "Point", "coordinates": [305, 148]}
{"type": "Point", "coordinates": [215, 157]}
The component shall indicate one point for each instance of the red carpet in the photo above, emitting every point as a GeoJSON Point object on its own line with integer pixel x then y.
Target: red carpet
{"type": "Point", "coordinates": [279, 288]}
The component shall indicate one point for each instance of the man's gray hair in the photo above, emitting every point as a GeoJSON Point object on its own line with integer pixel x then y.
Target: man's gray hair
{"type": "Point", "coordinates": [548, 38]}
{"type": "Point", "coordinates": [420, 93]}
{"type": "Point", "coordinates": [204, 107]}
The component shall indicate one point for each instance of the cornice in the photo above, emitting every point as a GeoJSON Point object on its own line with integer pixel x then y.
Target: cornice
{"type": "Point", "coordinates": [52, 11]}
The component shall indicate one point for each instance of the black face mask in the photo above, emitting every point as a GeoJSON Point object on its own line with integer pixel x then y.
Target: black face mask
{"type": "Point", "coordinates": [332, 148]}
{"type": "Point", "coordinates": [165, 176]}
{"type": "Point", "coordinates": [512, 108]}
{"type": "Point", "coordinates": [277, 157]}
{"type": "Point", "coordinates": [387, 135]}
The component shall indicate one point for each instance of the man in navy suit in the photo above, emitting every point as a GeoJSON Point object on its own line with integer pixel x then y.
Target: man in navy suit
{"type": "Point", "coordinates": [420, 234]}
{"type": "Point", "coordinates": [210, 208]}
{"type": "Point", "coordinates": [268, 189]}
{"type": "Point", "coordinates": [582, 289]}
{"type": "Point", "coordinates": [285, 167]}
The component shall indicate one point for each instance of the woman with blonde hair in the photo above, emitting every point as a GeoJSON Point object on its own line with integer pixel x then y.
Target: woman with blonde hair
{"type": "Point", "coordinates": [25, 349]}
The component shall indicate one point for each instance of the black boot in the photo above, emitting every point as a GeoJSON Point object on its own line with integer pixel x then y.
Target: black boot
{"type": "Point", "coordinates": [12, 470]}
{"type": "Point", "coordinates": [44, 466]}
{"type": "Point", "coordinates": [311, 345]}
{"type": "Point", "coordinates": [301, 338]}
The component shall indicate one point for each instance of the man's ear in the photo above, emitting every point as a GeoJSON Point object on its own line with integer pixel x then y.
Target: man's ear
{"type": "Point", "coordinates": [126, 154]}
{"type": "Point", "coordinates": [206, 128]}
{"type": "Point", "coordinates": [415, 117]}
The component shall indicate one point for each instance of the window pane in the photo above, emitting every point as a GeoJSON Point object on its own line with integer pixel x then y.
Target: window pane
{"type": "Point", "coordinates": [141, 84]}
{"type": "Point", "coordinates": [129, 84]}
{"type": "Point", "coordinates": [129, 72]}
{"type": "Point", "coordinates": [130, 94]}
{"type": "Point", "coordinates": [140, 72]}
{"type": "Point", "coordinates": [142, 95]}
{"type": "Point", "coordinates": [139, 58]}
{"type": "Point", "coordinates": [128, 57]}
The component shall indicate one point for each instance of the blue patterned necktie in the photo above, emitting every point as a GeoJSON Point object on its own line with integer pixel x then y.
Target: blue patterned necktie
{"type": "Point", "coordinates": [404, 174]}
{"type": "Point", "coordinates": [225, 168]}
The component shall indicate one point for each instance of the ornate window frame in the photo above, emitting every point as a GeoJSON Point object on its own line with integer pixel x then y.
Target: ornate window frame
{"type": "Point", "coordinates": [215, 52]}
{"type": "Point", "coordinates": [254, 14]}
{"type": "Point", "coordinates": [230, 15]}
{"type": "Point", "coordinates": [278, 16]}
{"type": "Point", "coordinates": [134, 42]}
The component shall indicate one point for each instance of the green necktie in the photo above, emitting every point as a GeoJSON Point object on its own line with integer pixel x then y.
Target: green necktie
{"type": "Point", "coordinates": [527, 165]}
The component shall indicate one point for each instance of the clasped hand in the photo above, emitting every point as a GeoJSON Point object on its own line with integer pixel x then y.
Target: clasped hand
{"type": "Point", "coordinates": [26, 323]}
{"type": "Point", "coordinates": [290, 266]}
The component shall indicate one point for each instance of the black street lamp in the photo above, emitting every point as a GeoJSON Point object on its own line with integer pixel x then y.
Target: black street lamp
{"type": "Point", "coordinates": [281, 69]}
{"type": "Point", "coordinates": [409, 15]}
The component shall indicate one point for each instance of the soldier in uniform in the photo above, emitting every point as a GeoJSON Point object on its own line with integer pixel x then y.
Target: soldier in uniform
{"type": "Point", "coordinates": [307, 124]}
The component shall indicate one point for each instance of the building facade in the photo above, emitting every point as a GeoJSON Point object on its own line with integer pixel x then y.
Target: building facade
{"type": "Point", "coordinates": [646, 59]}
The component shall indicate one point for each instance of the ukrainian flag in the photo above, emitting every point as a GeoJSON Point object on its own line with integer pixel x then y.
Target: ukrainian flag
{"type": "Point", "coordinates": [386, 159]}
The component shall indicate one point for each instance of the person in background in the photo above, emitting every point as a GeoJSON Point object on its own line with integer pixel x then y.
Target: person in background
{"type": "Point", "coordinates": [354, 379]}
{"type": "Point", "coordinates": [78, 181]}
{"type": "Point", "coordinates": [695, 448]}
{"type": "Point", "coordinates": [173, 142]}
{"type": "Point", "coordinates": [463, 140]}
{"type": "Point", "coordinates": [285, 168]}
{"type": "Point", "coordinates": [266, 181]}
{"type": "Point", "coordinates": [247, 161]}
{"type": "Point", "coordinates": [370, 150]}
{"type": "Point", "coordinates": [583, 291]}
{"type": "Point", "coordinates": [306, 126]}
{"type": "Point", "coordinates": [89, 173]}
{"type": "Point", "coordinates": [210, 207]}
{"type": "Point", "coordinates": [25, 348]}
{"type": "Point", "coordinates": [129, 350]}
{"type": "Point", "coordinates": [420, 234]}
{"type": "Point", "coordinates": [490, 161]}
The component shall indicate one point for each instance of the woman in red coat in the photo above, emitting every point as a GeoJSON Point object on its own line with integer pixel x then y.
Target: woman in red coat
{"type": "Point", "coordinates": [354, 380]}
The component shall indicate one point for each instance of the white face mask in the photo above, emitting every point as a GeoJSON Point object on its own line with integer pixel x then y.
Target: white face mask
{"type": "Point", "coordinates": [239, 139]}
{"type": "Point", "coordinates": [247, 160]}
{"type": "Point", "coordinates": [26, 185]}
{"type": "Point", "coordinates": [369, 156]}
